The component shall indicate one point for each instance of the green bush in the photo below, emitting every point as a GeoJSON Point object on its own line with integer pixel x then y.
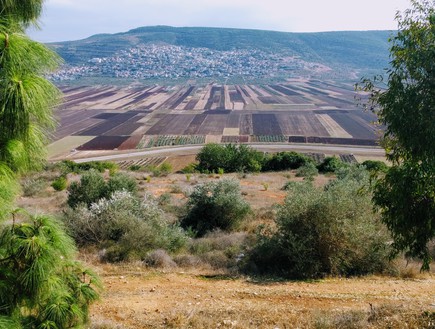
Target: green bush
{"type": "Point", "coordinates": [215, 205]}
{"type": "Point", "coordinates": [330, 231]}
{"type": "Point", "coordinates": [229, 158]}
{"type": "Point", "coordinates": [157, 171]}
{"type": "Point", "coordinates": [67, 166]}
{"type": "Point", "coordinates": [286, 161]}
{"type": "Point", "coordinates": [189, 169]}
{"type": "Point", "coordinates": [330, 165]}
{"type": "Point", "coordinates": [308, 170]}
{"type": "Point", "coordinates": [119, 182]}
{"type": "Point", "coordinates": [373, 165]}
{"type": "Point", "coordinates": [60, 183]}
{"type": "Point", "coordinates": [92, 187]}
{"type": "Point", "coordinates": [135, 167]}
{"type": "Point", "coordinates": [124, 227]}
{"type": "Point", "coordinates": [165, 169]}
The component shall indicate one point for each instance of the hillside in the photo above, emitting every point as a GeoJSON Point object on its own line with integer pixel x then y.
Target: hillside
{"type": "Point", "coordinates": [203, 293]}
{"type": "Point", "coordinates": [234, 51]}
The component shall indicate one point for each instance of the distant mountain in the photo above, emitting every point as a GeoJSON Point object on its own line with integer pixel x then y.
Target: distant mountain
{"type": "Point", "coordinates": [350, 51]}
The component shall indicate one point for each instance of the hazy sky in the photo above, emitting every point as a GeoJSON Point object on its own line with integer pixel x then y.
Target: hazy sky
{"type": "Point", "coordinates": [77, 19]}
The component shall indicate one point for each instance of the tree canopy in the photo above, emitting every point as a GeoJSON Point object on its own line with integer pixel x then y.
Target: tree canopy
{"type": "Point", "coordinates": [41, 285]}
{"type": "Point", "coordinates": [26, 100]}
{"type": "Point", "coordinates": [405, 105]}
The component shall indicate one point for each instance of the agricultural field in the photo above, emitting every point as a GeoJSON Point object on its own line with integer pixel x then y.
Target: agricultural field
{"type": "Point", "coordinates": [109, 118]}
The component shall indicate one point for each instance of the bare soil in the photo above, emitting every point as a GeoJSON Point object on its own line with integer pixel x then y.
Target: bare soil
{"type": "Point", "coordinates": [140, 298]}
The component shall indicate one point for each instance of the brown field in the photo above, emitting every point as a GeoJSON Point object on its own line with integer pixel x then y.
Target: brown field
{"type": "Point", "coordinates": [317, 110]}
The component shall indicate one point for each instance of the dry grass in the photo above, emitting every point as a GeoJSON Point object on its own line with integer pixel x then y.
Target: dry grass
{"type": "Point", "coordinates": [200, 298]}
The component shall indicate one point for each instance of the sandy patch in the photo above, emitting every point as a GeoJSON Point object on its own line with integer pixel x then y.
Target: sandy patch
{"type": "Point", "coordinates": [231, 131]}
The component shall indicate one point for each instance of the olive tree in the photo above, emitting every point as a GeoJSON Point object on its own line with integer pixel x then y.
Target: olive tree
{"type": "Point", "coordinates": [405, 105]}
{"type": "Point", "coordinates": [215, 205]}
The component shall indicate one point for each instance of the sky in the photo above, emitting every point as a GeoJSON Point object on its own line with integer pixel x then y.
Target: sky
{"type": "Point", "coordinates": [64, 20]}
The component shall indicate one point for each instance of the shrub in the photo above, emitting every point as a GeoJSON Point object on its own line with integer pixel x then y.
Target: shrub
{"type": "Point", "coordinates": [165, 168]}
{"type": "Point", "coordinates": [92, 187]}
{"type": "Point", "coordinates": [323, 231]}
{"type": "Point", "coordinates": [378, 166]}
{"type": "Point", "coordinates": [219, 249]}
{"type": "Point", "coordinates": [33, 186]}
{"type": "Point", "coordinates": [125, 226]}
{"type": "Point", "coordinates": [286, 161]}
{"type": "Point", "coordinates": [330, 165]}
{"type": "Point", "coordinates": [135, 167]}
{"type": "Point", "coordinates": [215, 205]}
{"type": "Point", "coordinates": [60, 183]}
{"type": "Point", "coordinates": [159, 258]}
{"type": "Point", "coordinates": [189, 169]}
{"type": "Point", "coordinates": [308, 170]}
{"type": "Point", "coordinates": [119, 182]}
{"type": "Point", "coordinates": [68, 166]}
{"type": "Point", "coordinates": [229, 158]}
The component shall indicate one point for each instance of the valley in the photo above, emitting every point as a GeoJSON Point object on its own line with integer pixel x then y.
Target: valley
{"type": "Point", "coordinates": [101, 119]}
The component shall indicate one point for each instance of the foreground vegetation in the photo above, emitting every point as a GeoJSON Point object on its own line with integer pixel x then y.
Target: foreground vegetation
{"type": "Point", "coordinates": [41, 283]}
{"type": "Point", "coordinates": [142, 235]}
{"type": "Point", "coordinates": [318, 230]}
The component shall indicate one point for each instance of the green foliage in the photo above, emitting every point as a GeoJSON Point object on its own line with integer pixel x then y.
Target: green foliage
{"type": "Point", "coordinates": [322, 232]}
{"type": "Point", "coordinates": [308, 171]}
{"type": "Point", "coordinates": [119, 182]}
{"type": "Point", "coordinates": [124, 226]}
{"type": "Point", "coordinates": [285, 161]}
{"type": "Point", "coordinates": [376, 166]}
{"type": "Point", "coordinates": [405, 105]}
{"type": "Point", "coordinates": [135, 167]}
{"type": "Point", "coordinates": [92, 187]}
{"type": "Point", "coordinates": [330, 165]}
{"type": "Point", "coordinates": [26, 100]}
{"type": "Point", "coordinates": [215, 205]}
{"type": "Point", "coordinates": [42, 286]}
{"type": "Point", "coordinates": [60, 183]}
{"type": "Point", "coordinates": [229, 158]}
{"type": "Point", "coordinates": [68, 166]}
{"type": "Point", "coordinates": [9, 188]}
{"type": "Point", "coordinates": [405, 198]}
{"type": "Point", "coordinates": [189, 169]}
{"type": "Point", "coordinates": [163, 170]}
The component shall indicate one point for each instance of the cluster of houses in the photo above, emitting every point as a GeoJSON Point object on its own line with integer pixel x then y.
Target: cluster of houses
{"type": "Point", "coordinates": [173, 62]}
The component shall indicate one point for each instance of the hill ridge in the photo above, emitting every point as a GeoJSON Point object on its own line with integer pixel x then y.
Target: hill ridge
{"type": "Point", "coordinates": [349, 51]}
